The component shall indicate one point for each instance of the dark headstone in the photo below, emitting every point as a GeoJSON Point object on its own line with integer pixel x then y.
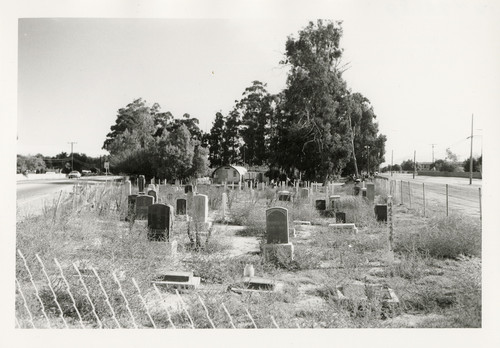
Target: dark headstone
{"type": "Point", "coordinates": [141, 182]}
{"type": "Point", "coordinates": [170, 197]}
{"type": "Point", "coordinates": [131, 205]}
{"type": "Point", "coordinates": [363, 192]}
{"type": "Point", "coordinates": [181, 206]}
{"type": "Point", "coordinates": [356, 190]}
{"type": "Point", "coordinates": [381, 212]}
{"type": "Point", "coordinates": [321, 204]}
{"type": "Point", "coordinates": [159, 222]}
{"type": "Point", "coordinates": [284, 196]}
{"type": "Point", "coordinates": [142, 204]}
{"type": "Point", "coordinates": [277, 225]}
{"type": "Point", "coordinates": [188, 188]}
{"type": "Point", "coordinates": [153, 193]}
{"type": "Point", "coordinates": [340, 217]}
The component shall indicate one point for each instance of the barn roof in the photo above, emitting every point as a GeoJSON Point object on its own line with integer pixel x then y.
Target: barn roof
{"type": "Point", "coordinates": [241, 170]}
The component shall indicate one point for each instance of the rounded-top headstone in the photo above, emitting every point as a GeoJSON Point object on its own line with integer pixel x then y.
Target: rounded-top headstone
{"type": "Point", "coordinates": [277, 225]}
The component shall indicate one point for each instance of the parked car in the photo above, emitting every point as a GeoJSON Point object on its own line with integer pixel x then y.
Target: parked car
{"type": "Point", "coordinates": [74, 174]}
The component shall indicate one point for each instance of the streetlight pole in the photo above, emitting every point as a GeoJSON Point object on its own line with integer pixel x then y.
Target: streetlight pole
{"type": "Point", "coordinates": [72, 142]}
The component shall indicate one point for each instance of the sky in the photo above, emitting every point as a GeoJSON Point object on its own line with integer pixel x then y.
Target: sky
{"type": "Point", "coordinates": [425, 68]}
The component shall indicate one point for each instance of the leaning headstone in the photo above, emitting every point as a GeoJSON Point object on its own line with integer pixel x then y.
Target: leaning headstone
{"type": "Point", "coordinates": [141, 182]}
{"type": "Point", "coordinates": [142, 204]}
{"type": "Point", "coordinates": [181, 206]}
{"type": "Point", "coordinates": [160, 222]}
{"type": "Point", "coordinates": [370, 192]}
{"type": "Point", "coordinates": [153, 193]}
{"type": "Point", "coordinates": [321, 204]}
{"type": "Point", "coordinates": [277, 234]}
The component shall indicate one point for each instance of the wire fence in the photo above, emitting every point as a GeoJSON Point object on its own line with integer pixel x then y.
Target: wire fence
{"type": "Point", "coordinates": [66, 295]}
{"type": "Point", "coordinates": [433, 198]}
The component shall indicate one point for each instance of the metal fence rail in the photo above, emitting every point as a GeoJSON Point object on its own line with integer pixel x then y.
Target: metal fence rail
{"type": "Point", "coordinates": [433, 198]}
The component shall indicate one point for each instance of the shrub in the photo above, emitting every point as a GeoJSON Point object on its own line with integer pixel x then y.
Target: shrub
{"type": "Point", "coordinates": [444, 237]}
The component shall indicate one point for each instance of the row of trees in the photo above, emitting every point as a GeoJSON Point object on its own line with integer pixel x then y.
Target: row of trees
{"type": "Point", "coordinates": [441, 165]}
{"type": "Point", "coordinates": [146, 141]}
{"type": "Point", "coordinates": [60, 162]}
{"type": "Point", "coordinates": [315, 128]}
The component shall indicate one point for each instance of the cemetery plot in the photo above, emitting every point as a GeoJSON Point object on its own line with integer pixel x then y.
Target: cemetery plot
{"type": "Point", "coordinates": [317, 278]}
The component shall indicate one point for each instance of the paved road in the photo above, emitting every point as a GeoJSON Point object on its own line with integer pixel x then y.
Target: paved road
{"type": "Point", "coordinates": [32, 194]}
{"type": "Point", "coordinates": [462, 197]}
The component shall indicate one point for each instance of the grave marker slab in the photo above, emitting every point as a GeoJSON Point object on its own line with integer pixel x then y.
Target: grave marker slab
{"type": "Point", "coordinates": [153, 194]}
{"type": "Point", "coordinates": [321, 204]}
{"type": "Point", "coordinates": [381, 212]}
{"type": "Point", "coordinates": [160, 222]}
{"type": "Point", "coordinates": [188, 188]}
{"type": "Point", "coordinates": [370, 192]}
{"type": "Point", "coordinates": [284, 196]}
{"type": "Point", "coordinates": [304, 193]}
{"type": "Point", "coordinates": [200, 211]}
{"type": "Point", "coordinates": [127, 187]}
{"type": "Point", "coordinates": [141, 182]}
{"type": "Point", "coordinates": [131, 205]}
{"type": "Point", "coordinates": [340, 217]}
{"type": "Point", "coordinates": [142, 204]}
{"type": "Point", "coordinates": [277, 225]}
{"type": "Point", "coordinates": [181, 206]}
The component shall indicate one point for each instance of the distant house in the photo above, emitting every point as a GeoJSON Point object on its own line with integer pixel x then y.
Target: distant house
{"type": "Point", "coordinates": [424, 165]}
{"type": "Point", "coordinates": [230, 174]}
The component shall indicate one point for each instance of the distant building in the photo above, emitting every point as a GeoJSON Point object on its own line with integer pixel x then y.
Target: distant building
{"type": "Point", "coordinates": [424, 166]}
{"type": "Point", "coordinates": [230, 174]}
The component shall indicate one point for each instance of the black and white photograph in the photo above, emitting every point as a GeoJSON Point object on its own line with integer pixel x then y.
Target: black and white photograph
{"type": "Point", "coordinates": [268, 168]}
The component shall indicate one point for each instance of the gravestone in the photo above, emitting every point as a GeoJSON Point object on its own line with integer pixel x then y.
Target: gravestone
{"type": "Point", "coordinates": [355, 190]}
{"type": "Point", "coordinates": [277, 232]}
{"type": "Point", "coordinates": [170, 197]}
{"type": "Point", "coordinates": [340, 217]}
{"type": "Point", "coordinates": [142, 204]}
{"type": "Point", "coordinates": [381, 212]}
{"type": "Point", "coordinates": [131, 206]}
{"type": "Point", "coordinates": [370, 192]}
{"type": "Point", "coordinates": [304, 193]}
{"type": "Point", "coordinates": [152, 180]}
{"type": "Point", "coordinates": [321, 204]}
{"type": "Point", "coordinates": [153, 193]}
{"type": "Point", "coordinates": [363, 192]}
{"type": "Point", "coordinates": [200, 211]}
{"type": "Point", "coordinates": [284, 196]}
{"type": "Point", "coordinates": [160, 222]}
{"type": "Point", "coordinates": [277, 225]}
{"type": "Point", "coordinates": [127, 186]}
{"type": "Point", "coordinates": [188, 188]}
{"type": "Point", "coordinates": [224, 205]}
{"type": "Point", "coordinates": [141, 182]}
{"type": "Point", "coordinates": [335, 202]}
{"type": "Point", "coordinates": [177, 182]}
{"type": "Point", "coordinates": [181, 206]}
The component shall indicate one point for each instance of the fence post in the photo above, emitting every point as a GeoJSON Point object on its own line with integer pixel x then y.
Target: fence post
{"type": "Point", "coordinates": [480, 207]}
{"type": "Point", "coordinates": [401, 187]}
{"type": "Point", "coordinates": [423, 195]}
{"type": "Point", "coordinates": [409, 193]}
{"type": "Point", "coordinates": [446, 199]}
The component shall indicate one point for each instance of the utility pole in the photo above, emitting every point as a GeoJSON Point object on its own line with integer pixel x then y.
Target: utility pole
{"type": "Point", "coordinates": [471, 136]}
{"type": "Point", "coordinates": [414, 163]}
{"type": "Point", "coordinates": [433, 152]}
{"type": "Point", "coordinates": [72, 142]}
{"type": "Point", "coordinates": [392, 158]}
